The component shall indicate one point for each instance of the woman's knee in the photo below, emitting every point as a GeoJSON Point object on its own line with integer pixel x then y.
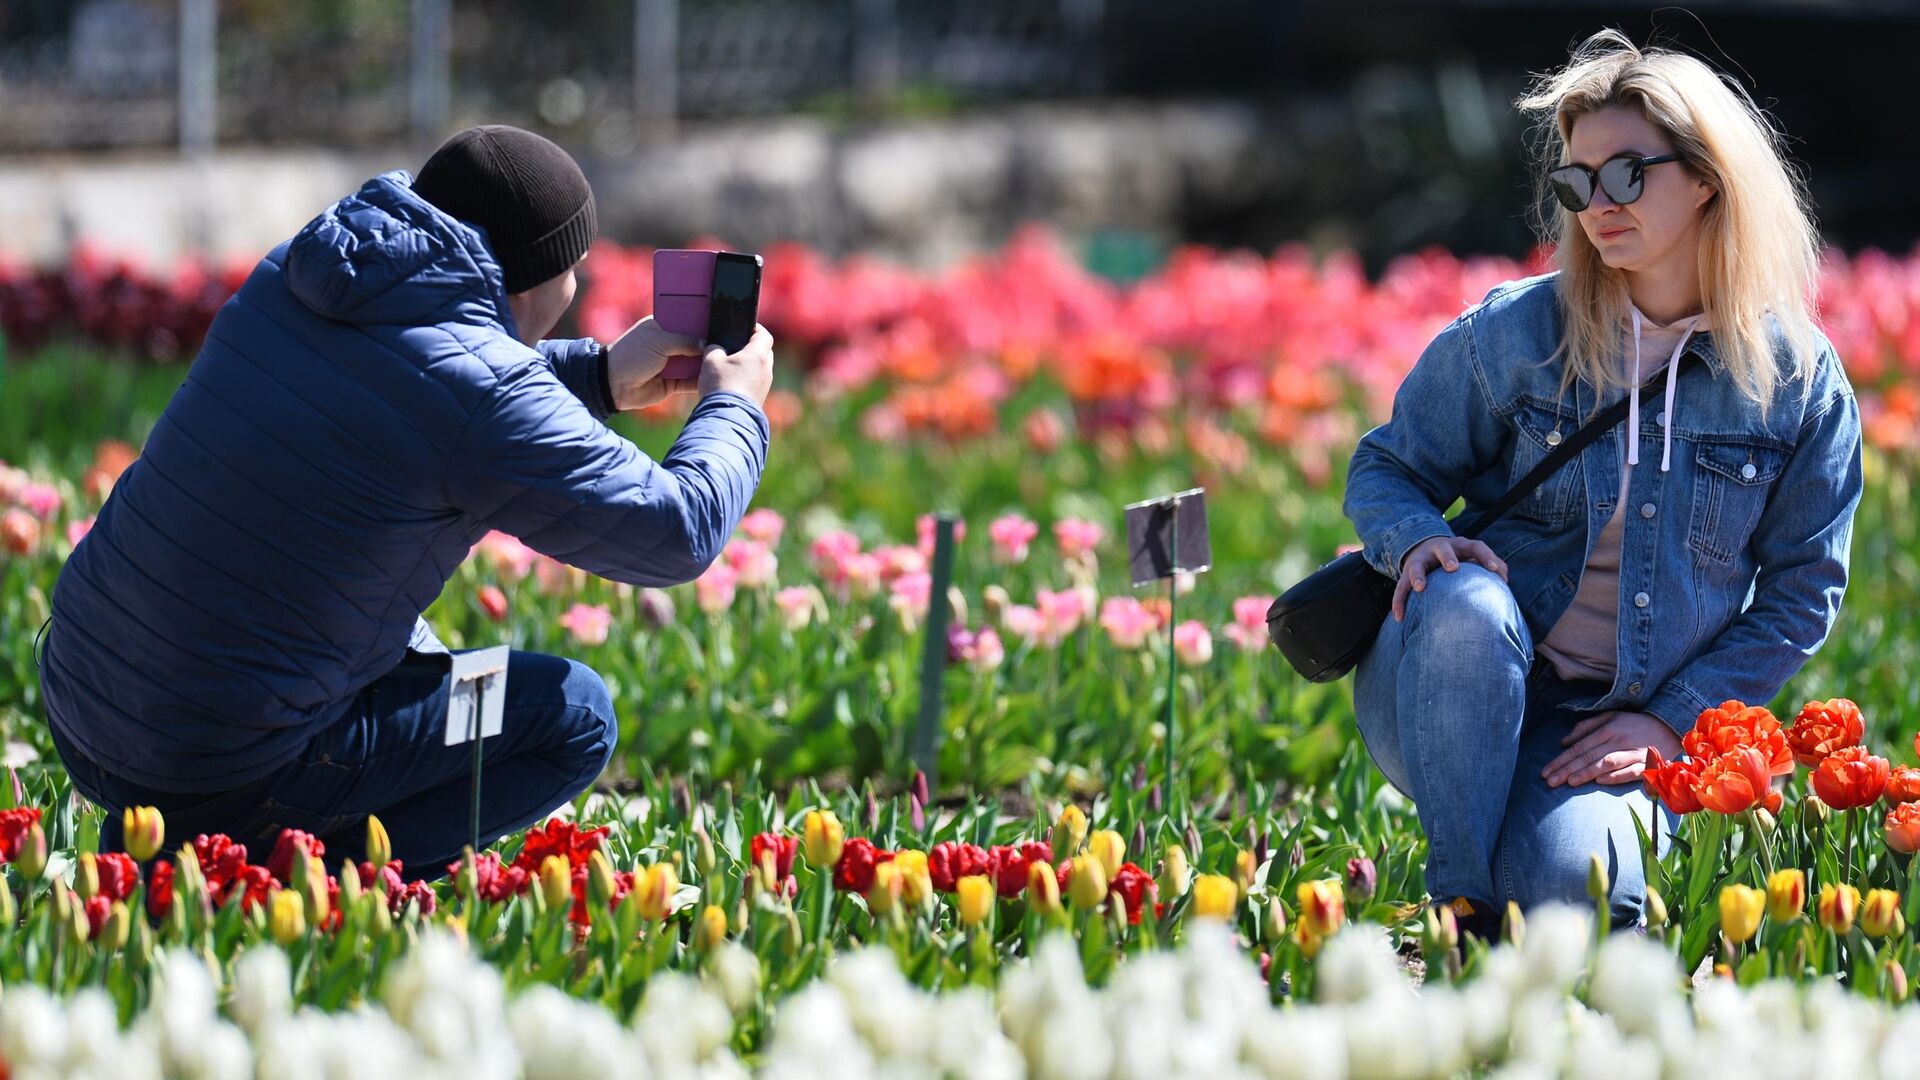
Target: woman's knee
{"type": "Point", "coordinates": [1471, 604]}
{"type": "Point", "coordinates": [1556, 864]}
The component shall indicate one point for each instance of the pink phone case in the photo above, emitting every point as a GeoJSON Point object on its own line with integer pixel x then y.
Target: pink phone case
{"type": "Point", "coordinates": [682, 283]}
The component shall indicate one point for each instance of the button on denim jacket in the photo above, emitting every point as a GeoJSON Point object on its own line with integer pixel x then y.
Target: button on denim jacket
{"type": "Point", "coordinates": [1733, 562]}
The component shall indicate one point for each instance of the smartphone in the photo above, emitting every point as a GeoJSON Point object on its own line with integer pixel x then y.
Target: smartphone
{"type": "Point", "coordinates": [712, 295]}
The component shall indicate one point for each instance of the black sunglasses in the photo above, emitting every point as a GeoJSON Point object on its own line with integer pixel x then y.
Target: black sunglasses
{"type": "Point", "coordinates": [1621, 177]}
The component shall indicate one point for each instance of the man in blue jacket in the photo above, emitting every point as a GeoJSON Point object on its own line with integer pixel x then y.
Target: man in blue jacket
{"type": "Point", "coordinates": [238, 640]}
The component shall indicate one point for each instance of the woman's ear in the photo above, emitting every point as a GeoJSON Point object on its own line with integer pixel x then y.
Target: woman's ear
{"type": "Point", "coordinates": [1707, 194]}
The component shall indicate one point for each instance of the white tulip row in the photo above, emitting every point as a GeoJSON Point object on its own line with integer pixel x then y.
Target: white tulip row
{"type": "Point", "coordinates": [1199, 1010]}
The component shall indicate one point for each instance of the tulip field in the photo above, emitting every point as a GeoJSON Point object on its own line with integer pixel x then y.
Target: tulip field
{"type": "Point", "coordinates": [768, 880]}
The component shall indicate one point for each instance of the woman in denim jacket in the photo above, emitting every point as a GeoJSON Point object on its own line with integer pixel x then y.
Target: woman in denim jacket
{"type": "Point", "coordinates": [1695, 554]}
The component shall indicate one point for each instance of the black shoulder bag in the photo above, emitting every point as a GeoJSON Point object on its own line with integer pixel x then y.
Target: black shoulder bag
{"type": "Point", "coordinates": [1326, 623]}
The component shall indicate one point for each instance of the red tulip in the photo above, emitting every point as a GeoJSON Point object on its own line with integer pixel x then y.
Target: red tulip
{"type": "Point", "coordinates": [1850, 777]}
{"type": "Point", "coordinates": [1734, 781]}
{"type": "Point", "coordinates": [1823, 727]}
{"type": "Point", "coordinates": [1674, 783]}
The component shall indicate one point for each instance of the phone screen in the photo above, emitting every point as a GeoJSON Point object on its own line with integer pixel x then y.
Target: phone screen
{"type": "Point", "coordinates": [736, 300]}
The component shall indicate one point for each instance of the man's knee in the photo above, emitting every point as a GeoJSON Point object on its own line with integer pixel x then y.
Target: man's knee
{"type": "Point", "coordinates": [590, 707]}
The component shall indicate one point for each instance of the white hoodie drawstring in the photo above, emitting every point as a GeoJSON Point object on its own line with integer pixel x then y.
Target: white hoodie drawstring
{"type": "Point", "coordinates": [1633, 406]}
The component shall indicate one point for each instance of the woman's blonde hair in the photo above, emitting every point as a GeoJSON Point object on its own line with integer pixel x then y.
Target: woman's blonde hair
{"type": "Point", "coordinates": [1759, 249]}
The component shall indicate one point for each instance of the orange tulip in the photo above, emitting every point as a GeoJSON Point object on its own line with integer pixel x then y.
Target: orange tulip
{"type": "Point", "coordinates": [1673, 782]}
{"type": "Point", "coordinates": [1903, 828]}
{"type": "Point", "coordinates": [1837, 907]}
{"type": "Point", "coordinates": [1850, 777]}
{"type": "Point", "coordinates": [1734, 782]}
{"type": "Point", "coordinates": [1732, 725]}
{"type": "Point", "coordinates": [1903, 784]}
{"type": "Point", "coordinates": [1823, 727]}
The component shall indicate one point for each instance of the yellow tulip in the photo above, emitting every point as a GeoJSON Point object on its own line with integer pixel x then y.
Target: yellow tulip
{"type": "Point", "coordinates": [1244, 870]}
{"type": "Point", "coordinates": [349, 886]}
{"type": "Point", "coordinates": [1108, 846]}
{"type": "Point", "coordinates": [1308, 941]}
{"type": "Point", "coordinates": [1175, 875]}
{"type": "Point", "coordinates": [1880, 913]}
{"type": "Point", "coordinates": [286, 917]}
{"type": "Point", "coordinates": [1215, 896]}
{"type": "Point", "coordinates": [974, 896]}
{"type": "Point", "coordinates": [887, 889]}
{"type": "Point", "coordinates": [711, 930]}
{"type": "Point", "coordinates": [1043, 888]}
{"type": "Point", "coordinates": [1740, 911]}
{"type": "Point", "coordinates": [119, 926]}
{"type": "Point", "coordinates": [1069, 833]}
{"type": "Point", "coordinates": [1087, 883]}
{"type": "Point", "coordinates": [1323, 906]}
{"type": "Point", "coordinates": [379, 848]}
{"type": "Point", "coordinates": [656, 888]}
{"type": "Point", "coordinates": [1276, 924]}
{"type": "Point", "coordinates": [556, 882]}
{"type": "Point", "coordinates": [146, 830]}
{"type": "Point", "coordinates": [1786, 894]}
{"type": "Point", "coordinates": [1837, 907]}
{"type": "Point", "coordinates": [916, 883]}
{"type": "Point", "coordinates": [86, 876]}
{"type": "Point", "coordinates": [825, 838]}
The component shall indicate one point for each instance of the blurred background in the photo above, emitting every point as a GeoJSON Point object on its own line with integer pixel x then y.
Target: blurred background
{"type": "Point", "coordinates": [919, 130]}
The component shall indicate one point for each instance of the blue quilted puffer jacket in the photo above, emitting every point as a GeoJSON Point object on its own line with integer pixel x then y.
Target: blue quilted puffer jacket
{"type": "Point", "coordinates": [360, 415]}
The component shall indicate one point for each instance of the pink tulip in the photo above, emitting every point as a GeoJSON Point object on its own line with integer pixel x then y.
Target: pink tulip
{"type": "Point", "coordinates": [796, 605]}
{"type": "Point", "coordinates": [830, 553]}
{"type": "Point", "coordinates": [11, 481]}
{"type": "Point", "coordinates": [1023, 622]}
{"type": "Point", "coordinates": [1192, 643]}
{"type": "Point", "coordinates": [78, 530]}
{"type": "Point", "coordinates": [510, 558]}
{"type": "Point", "coordinates": [1249, 627]}
{"type": "Point", "coordinates": [589, 623]}
{"type": "Point", "coordinates": [714, 590]}
{"type": "Point", "coordinates": [1126, 621]}
{"type": "Point", "coordinates": [1077, 538]}
{"type": "Point", "coordinates": [752, 561]}
{"type": "Point", "coordinates": [860, 573]}
{"type": "Point", "coordinates": [764, 525]}
{"type": "Point", "coordinates": [987, 652]}
{"type": "Point", "coordinates": [1060, 612]}
{"type": "Point", "coordinates": [40, 500]}
{"type": "Point", "coordinates": [915, 590]}
{"type": "Point", "coordinates": [1011, 536]}
{"type": "Point", "coordinates": [899, 560]}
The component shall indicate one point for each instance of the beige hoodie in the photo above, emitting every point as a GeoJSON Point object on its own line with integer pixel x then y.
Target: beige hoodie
{"type": "Point", "coordinates": [1584, 643]}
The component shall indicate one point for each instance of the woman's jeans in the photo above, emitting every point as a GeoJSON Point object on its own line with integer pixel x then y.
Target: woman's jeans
{"type": "Point", "coordinates": [1459, 715]}
{"type": "Point", "coordinates": [387, 757]}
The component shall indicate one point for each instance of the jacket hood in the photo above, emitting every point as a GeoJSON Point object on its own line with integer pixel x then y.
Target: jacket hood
{"type": "Point", "coordinates": [385, 256]}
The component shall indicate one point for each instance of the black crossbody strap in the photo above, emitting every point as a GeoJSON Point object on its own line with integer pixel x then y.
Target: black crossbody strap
{"type": "Point", "coordinates": [1560, 455]}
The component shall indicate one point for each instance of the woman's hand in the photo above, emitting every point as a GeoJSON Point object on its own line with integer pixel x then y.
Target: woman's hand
{"type": "Point", "coordinates": [1610, 747]}
{"type": "Point", "coordinates": [1447, 552]}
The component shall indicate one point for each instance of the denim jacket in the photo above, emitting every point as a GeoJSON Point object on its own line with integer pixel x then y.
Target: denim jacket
{"type": "Point", "coordinates": [1733, 563]}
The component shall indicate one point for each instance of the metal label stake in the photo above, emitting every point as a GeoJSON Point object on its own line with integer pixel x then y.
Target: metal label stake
{"type": "Point", "coordinates": [476, 705]}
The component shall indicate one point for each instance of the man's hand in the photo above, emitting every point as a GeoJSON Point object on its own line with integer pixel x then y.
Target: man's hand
{"type": "Point", "coordinates": [635, 361]}
{"type": "Point", "coordinates": [748, 372]}
{"type": "Point", "coordinates": [1610, 747]}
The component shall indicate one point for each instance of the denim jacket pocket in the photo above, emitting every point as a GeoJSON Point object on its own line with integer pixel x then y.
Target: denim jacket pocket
{"type": "Point", "coordinates": [1539, 430]}
{"type": "Point", "coordinates": [1730, 491]}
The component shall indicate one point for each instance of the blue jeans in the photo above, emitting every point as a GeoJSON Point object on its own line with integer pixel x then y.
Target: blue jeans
{"type": "Point", "coordinates": [1456, 711]}
{"type": "Point", "coordinates": [386, 757]}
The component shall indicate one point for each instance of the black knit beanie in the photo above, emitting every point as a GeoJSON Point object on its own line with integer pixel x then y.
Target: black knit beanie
{"type": "Point", "coordinates": [527, 193]}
